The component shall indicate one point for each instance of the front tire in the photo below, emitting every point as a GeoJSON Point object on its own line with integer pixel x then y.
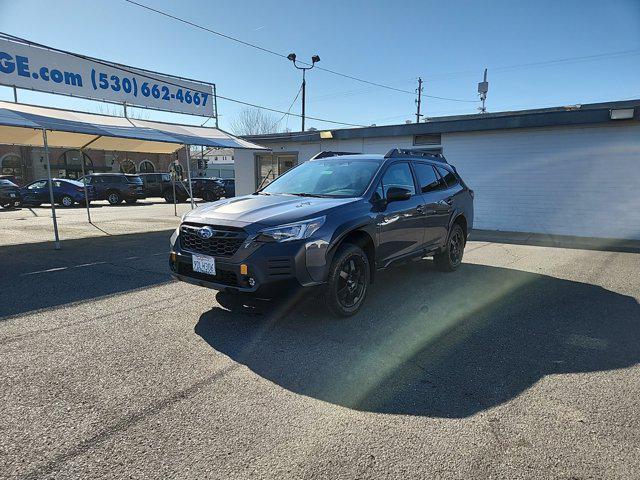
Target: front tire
{"type": "Point", "coordinates": [348, 282]}
{"type": "Point", "coordinates": [451, 257]}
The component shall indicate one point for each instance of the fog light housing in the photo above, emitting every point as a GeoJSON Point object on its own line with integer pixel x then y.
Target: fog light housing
{"type": "Point", "coordinates": [252, 282]}
{"type": "Point", "coordinates": [244, 270]}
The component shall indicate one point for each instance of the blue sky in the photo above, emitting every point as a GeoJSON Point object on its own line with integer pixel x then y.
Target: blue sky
{"type": "Point", "coordinates": [448, 43]}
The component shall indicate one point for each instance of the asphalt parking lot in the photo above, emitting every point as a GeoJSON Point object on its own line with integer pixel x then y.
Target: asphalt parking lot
{"type": "Point", "coordinates": [524, 363]}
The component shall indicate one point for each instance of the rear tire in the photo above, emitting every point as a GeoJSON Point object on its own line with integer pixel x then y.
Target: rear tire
{"type": "Point", "coordinates": [451, 257]}
{"type": "Point", "coordinates": [210, 197]}
{"type": "Point", "coordinates": [114, 198]}
{"type": "Point", "coordinates": [348, 282]}
{"type": "Point", "coordinates": [66, 201]}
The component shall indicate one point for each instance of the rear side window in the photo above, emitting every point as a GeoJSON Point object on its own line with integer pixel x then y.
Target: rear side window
{"type": "Point", "coordinates": [427, 178]}
{"type": "Point", "coordinates": [449, 177]}
{"type": "Point", "coordinates": [135, 179]}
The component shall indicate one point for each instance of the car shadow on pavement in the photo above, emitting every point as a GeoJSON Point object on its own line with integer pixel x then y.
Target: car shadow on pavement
{"type": "Point", "coordinates": [433, 344]}
{"type": "Point", "coordinates": [35, 276]}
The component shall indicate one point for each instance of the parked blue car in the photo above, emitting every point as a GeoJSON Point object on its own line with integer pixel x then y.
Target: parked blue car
{"type": "Point", "coordinates": [65, 192]}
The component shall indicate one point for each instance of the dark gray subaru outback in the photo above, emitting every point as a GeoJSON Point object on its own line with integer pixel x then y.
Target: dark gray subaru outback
{"type": "Point", "coordinates": [330, 222]}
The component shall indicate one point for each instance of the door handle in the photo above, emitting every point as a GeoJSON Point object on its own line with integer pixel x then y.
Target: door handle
{"type": "Point", "coordinates": [446, 201]}
{"type": "Point", "coordinates": [420, 209]}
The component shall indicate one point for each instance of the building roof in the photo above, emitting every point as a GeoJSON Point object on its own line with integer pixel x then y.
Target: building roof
{"type": "Point", "coordinates": [542, 117]}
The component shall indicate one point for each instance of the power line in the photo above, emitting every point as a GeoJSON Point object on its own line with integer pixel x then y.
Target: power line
{"type": "Point", "coordinates": [282, 55]}
{"type": "Point", "coordinates": [140, 73]}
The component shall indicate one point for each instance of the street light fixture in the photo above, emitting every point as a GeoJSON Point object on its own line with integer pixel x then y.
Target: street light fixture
{"type": "Point", "coordinates": [315, 59]}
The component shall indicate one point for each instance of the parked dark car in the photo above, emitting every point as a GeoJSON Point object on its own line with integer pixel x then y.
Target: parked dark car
{"type": "Point", "coordinates": [116, 187]}
{"type": "Point", "coordinates": [229, 185]}
{"type": "Point", "coordinates": [161, 185]}
{"type": "Point", "coordinates": [10, 195]}
{"type": "Point", "coordinates": [12, 178]}
{"type": "Point", "coordinates": [209, 189]}
{"type": "Point", "coordinates": [329, 222]}
{"type": "Point", "coordinates": [65, 192]}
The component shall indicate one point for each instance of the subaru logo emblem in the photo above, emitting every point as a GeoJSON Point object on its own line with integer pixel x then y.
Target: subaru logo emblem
{"type": "Point", "coordinates": [206, 233]}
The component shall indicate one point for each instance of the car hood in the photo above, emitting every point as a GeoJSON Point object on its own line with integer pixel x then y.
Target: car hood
{"type": "Point", "coordinates": [264, 210]}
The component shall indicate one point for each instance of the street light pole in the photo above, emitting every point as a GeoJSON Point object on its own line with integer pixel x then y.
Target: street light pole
{"type": "Point", "coordinates": [315, 59]}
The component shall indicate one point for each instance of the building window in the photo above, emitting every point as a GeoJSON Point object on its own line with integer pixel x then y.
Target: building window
{"type": "Point", "coordinates": [428, 139]}
{"type": "Point", "coordinates": [270, 167]}
{"type": "Point", "coordinates": [146, 167]}
{"type": "Point", "coordinates": [12, 164]}
{"type": "Point", "coordinates": [71, 166]}
{"type": "Point", "coordinates": [127, 166]}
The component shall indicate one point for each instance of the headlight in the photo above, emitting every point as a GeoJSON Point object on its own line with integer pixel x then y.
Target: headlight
{"type": "Point", "coordinates": [174, 237]}
{"type": "Point", "coordinates": [291, 231]}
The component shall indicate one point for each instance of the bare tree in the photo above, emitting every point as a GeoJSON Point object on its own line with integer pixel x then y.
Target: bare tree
{"type": "Point", "coordinates": [253, 121]}
{"type": "Point", "coordinates": [117, 111]}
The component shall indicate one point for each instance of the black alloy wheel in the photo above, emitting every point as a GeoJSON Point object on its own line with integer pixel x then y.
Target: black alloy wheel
{"type": "Point", "coordinates": [450, 257]}
{"type": "Point", "coordinates": [348, 281]}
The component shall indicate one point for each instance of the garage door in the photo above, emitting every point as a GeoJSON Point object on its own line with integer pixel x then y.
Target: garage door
{"type": "Point", "coordinates": [582, 181]}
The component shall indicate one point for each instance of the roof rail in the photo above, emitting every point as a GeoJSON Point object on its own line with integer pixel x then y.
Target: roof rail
{"type": "Point", "coordinates": [326, 153]}
{"type": "Point", "coordinates": [410, 152]}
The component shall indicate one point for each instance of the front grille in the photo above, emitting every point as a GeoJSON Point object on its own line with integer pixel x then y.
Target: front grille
{"type": "Point", "coordinates": [225, 241]}
{"type": "Point", "coordinates": [224, 277]}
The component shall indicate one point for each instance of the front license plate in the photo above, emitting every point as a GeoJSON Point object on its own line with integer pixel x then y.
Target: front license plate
{"type": "Point", "coordinates": [203, 264]}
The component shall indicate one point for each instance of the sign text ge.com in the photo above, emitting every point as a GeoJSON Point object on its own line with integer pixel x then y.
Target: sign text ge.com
{"type": "Point", "coordinates": [36, 68]}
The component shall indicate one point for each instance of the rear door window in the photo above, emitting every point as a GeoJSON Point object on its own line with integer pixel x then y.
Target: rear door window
{"type": "Point", "coordinates": [427, 178]}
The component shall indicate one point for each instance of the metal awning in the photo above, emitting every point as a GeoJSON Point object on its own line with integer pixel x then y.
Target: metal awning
{"type": "Point", "coordinates": [22, 124]}
{"type": "Point", "coordinates": [30, 125]}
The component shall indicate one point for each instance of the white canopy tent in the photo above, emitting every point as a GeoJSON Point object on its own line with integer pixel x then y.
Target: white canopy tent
{"type": "Point", "coordinates": [29, 125]}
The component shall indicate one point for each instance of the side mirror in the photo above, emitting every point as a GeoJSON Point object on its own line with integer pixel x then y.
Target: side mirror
{"type": "Point", "coordinates": [395, 194]}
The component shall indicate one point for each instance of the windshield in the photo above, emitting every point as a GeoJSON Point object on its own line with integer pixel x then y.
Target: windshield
{"type": "Point", "coordinates": [331, 178]}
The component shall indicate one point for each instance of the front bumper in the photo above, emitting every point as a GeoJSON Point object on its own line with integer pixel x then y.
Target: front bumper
{"type": "Point", "coordinates": [271, 268]}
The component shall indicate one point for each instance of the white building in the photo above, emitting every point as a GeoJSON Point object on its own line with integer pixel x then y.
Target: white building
{"type": "Point", "coordinates": [571, 170]}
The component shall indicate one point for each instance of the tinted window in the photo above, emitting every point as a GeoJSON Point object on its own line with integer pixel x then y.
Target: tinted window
{"type": "Point", "coordinates": [449, 177]}
{"type": "Point", "coordinates": [134, 179]}
{"type": "Point", "coordinates": [398, 175]}
{"type": "Point", "coordinates": [7, 183]}
{"type": "Point", "coordinates": [427, 178]}
{"type": "Point", "coordinates": [166, 177]}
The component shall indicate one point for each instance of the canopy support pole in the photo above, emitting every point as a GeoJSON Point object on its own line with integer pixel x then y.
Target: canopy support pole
{"type": "Point", "coordinates": [186, 148]}
{"type": "Point", "coordinates": [15, 94]}
{"type": "Point", "coordinates": [84, 183]}
{"type": "Point", "coordinates": [51, 199]}
{"type": "Point", "coordinates": [215, 103]}
{"type": "Point", "coordinates": [173, 182]}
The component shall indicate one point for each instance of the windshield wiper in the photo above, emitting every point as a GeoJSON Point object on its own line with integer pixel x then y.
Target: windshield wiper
{"type": "Point", "coordinates": [317, 195]}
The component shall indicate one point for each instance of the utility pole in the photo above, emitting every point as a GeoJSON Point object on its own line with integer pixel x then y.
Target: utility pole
{"type": "Point", "coordinates": [483, 88]}
{"type": "Point", "coordinates": [304, 91]}
{"type": "Point", "coordinates": [419, 100]}
{"type": "Point", "coordinates": [315, 59]}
